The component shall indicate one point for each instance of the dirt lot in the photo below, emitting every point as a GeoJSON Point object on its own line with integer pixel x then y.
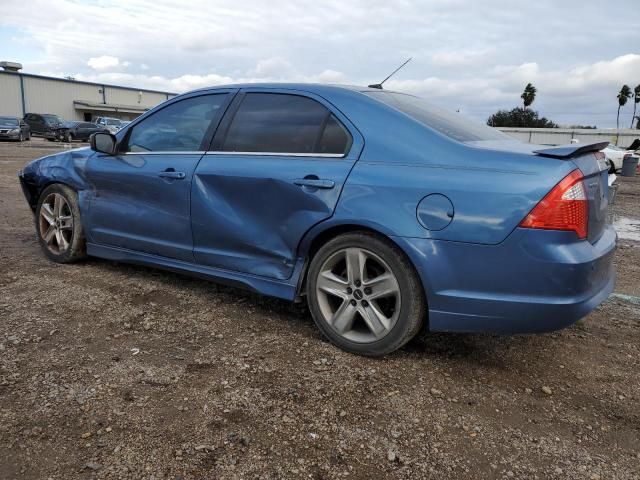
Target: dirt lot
{"type": "Point", "coordinates": [115, 371]}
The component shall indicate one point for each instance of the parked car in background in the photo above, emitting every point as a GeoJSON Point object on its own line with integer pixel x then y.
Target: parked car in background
{"type": "Point", "coordinates": [83, 130]}
{"type": "Point", "coordinates": [111, 124]}
{"type": "Point", "coordinates": [615, 156]}
{"type": "Point", "coordinates": [14, 128]}
{"type": "Point", "coordinates": [384, 212]}
{"type": "Point", "coordinates": [47, 125]}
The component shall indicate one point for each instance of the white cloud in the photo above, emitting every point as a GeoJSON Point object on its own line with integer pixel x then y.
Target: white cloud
{"type": "Point", "coordinates": [103, 62]}
{"type": "Point", "coordinates": [476, 56]}
{"type": "Point", "coordinates": [272, 67]}
{"type": "Point", "coordinates": [461, 58]}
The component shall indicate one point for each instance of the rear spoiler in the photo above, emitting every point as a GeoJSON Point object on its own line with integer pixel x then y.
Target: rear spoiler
{"type": "Point", "coordinates": [570, 151]}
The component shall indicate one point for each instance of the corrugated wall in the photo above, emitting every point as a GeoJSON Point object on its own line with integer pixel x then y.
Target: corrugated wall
{"type": "Point", "coordinates": [563, 136]}
{"type": "Point", "coordinates": [10, 97]}
{"type": "Point", "coordinates": [51, 96]}
{"type": "Point", "coordinates": [134, 97]}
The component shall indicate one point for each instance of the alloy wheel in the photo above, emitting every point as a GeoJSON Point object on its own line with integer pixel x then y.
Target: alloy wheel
{"type": "Point", "coordinates": [56, 223]}
{"type": "Point", "coordinates": [358, 295]}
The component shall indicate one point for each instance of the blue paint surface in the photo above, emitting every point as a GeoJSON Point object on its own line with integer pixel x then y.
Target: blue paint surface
{"type": "Point", "coordinates": [244, 219]}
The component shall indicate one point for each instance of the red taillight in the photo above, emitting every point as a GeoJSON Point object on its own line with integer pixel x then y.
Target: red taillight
{"type": "Point", "coordinates": [565, 207]}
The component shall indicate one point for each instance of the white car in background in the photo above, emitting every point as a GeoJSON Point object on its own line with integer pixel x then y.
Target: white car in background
{"type": "Point", "coordinates": [615, 156]}
{"type": "Point", "coordinates": [111, 124]}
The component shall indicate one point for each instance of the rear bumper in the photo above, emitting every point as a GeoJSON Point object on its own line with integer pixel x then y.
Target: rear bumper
{"type": "Point", "coordinates": [534, 281]}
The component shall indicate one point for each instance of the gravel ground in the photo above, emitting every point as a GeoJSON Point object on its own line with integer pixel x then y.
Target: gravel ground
{"type": "Point", "coordinates": [115, 371]}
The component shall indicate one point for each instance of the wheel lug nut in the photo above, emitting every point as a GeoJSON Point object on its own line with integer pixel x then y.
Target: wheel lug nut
{"type": "Point", "coordinates": [367, 290]}
{"type": "Point", "coordinates": [353, 303]}
{"type": "Point", "coordinates": [365, 303]}
{"type": "Point", "coordinates": [358, 283]}
{"type": "Point", "coordinates": [349, 290]}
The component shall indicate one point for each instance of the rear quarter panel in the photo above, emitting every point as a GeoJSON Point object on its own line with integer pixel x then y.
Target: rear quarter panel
{"type": "Point", "coordinates": [403, 161]}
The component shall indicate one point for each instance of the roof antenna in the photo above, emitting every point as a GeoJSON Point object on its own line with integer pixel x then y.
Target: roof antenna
{"type": "Point", "coordinates": [379, 85]}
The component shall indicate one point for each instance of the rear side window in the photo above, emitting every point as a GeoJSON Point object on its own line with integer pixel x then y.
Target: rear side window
{"type": "Point", "coordinates": [282, 123]}
{"type": "Point", "coordinates": [179, 127]}
{"type": "Point", "coordinates": [453, 125]}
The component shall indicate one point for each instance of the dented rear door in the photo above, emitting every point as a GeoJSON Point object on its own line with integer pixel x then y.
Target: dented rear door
{"type": "Point", "coordinates": [249, 209]}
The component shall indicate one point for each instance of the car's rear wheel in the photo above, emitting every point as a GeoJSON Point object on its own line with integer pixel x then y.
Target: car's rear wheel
{"type": "Point", "coordinates": [364, 294]}
{"type": "Point", "coordinates": [58, 225]}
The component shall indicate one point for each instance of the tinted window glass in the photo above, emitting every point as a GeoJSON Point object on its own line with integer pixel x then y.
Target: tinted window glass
{"type": "Point", "coordinates": [180, 127]}
{"type": "Point", "coordinates": [8, 121]}
{"type": "Point", "coordinates": [280, 123]}
{"type": "Point", "coordinates": [52, 119]}
{"type": "Point", "coordinates": [335, 138]}
{"type": "Point", "coordinates": [453, 125]}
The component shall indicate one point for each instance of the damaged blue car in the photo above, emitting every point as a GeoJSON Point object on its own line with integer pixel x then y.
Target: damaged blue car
{"type": "Point", "coordinates": [386, 214]}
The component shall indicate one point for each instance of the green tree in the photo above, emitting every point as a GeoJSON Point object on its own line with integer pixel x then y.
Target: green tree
{"type": "Point", "coordinates": [636, 101]}
{"type": "Point", "coordinates": [519, 117]}
{"type": "Point", "coordinates": [528, 96]}
{"type": "Point", "coordinates": [623, 95]}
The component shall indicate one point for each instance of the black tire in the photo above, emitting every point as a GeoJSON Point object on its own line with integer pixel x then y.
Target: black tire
{"type": "Point", "coordinates": [51, 139]}
{"type": "Point", "coordinates": [413, 310]}
{"type": "Point", "coordinates": [76, 249]}
{"type": "Point", "coordinates": [21, 137]}
{"type": "Point", "coordinates": [29, 136]}
{"type": "Point", "coordinates": [612, 167]}
{"type": "Point", "coordinates": [68, 137]}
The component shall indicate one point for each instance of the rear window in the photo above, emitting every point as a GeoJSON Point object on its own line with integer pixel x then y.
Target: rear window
{"type": "Point", "coordinates": [453, 125]}
{"type": "Point", "coordinates": [52, 119]}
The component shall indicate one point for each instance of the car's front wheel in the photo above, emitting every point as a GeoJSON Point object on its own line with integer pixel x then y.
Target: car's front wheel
{"type": "Point", "coordinates": [364, 294]}
{"type": "Point", "coordinates": [58, 225]}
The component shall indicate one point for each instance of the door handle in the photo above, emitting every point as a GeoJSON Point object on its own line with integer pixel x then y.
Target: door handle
{"type": "Point", "coordinates": [314, 183]}
{"type": "Point", "coordinates": [171, 173]}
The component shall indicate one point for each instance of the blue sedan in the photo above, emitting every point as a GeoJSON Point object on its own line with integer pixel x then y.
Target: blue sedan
{"type": "Point", "coordinates": [385, 213]}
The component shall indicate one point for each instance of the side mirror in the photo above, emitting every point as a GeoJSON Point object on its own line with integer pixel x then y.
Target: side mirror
{"type": "Point", "coordinates": [103, 142]}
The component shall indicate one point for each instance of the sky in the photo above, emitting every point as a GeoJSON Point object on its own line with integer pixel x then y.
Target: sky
{"type": "Point", "coordinates": [472, 56]}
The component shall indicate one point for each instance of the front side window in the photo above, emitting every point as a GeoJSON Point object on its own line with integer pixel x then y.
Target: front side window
{"type": "Point", "coordinates": [282, 123]}
{"type": "Point", "coordinates": [179, 127]}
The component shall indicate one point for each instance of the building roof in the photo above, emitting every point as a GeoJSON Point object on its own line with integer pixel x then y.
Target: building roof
{"type": "Point", "coordinates": [57, 79]}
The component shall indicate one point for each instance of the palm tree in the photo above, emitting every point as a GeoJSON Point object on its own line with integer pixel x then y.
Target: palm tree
{"type": "Point", "coordinates": [528, 96]}
{"type": "Point", "coordinates": [636, 101]}
{"type": "Point", "coordinates": [623, 96]}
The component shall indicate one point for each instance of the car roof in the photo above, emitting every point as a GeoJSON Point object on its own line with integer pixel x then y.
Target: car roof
{"type": "Point", "coordinates": [307, 87]}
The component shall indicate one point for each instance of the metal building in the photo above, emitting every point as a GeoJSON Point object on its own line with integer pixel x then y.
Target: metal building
{"type": "Point", "coordinates": [22, 93]}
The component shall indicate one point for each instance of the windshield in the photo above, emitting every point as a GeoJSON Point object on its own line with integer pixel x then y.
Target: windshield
{"type": "Point", "coordinates": [112, 121]}
{"type": "Point", "coordinates": [8, 122]}
{"type": "Point", "coordinates": [453, 125]}
{"type": "Point", "coordinates": [52, 119]}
